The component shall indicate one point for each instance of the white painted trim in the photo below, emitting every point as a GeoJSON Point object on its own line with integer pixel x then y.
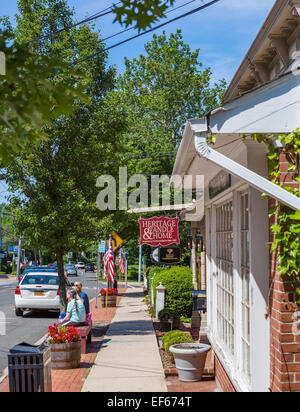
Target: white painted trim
{"type": "Point", "coordinates": [221, 197]}
{"type": "Point", "coordinates": [160, 208]}
{"type": "Point", "coordinates": [227, 364]}
{"type": "Point", "coordinates": [255, 180]}
{"type": "Point", "coordinates": [259, 286]}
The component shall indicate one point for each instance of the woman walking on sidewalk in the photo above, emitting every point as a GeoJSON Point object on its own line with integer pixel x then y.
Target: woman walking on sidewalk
{"type": "Point", "coordinates": [75, 315]}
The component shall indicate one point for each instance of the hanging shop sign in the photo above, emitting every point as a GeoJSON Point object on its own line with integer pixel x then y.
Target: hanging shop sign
{"type": "Point", "coordinates": [159, 231]}
{"type": "Point", "coordinates": [219, 183]}
{"type": "Point", "coordinates": [169, 255]}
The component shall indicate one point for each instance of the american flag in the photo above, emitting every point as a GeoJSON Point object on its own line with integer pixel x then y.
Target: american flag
{"type": "Point", "coordinates": [121, 261]}
{"type": "Point", "coordinates": [109, 262]}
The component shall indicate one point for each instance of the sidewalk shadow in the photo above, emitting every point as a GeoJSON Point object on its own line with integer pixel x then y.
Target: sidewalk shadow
{"type": "Point", "coordinates": [43, 315]}
{"type": "Point", "coordinates": [134, 327]}
{"type": "Point", "coordinates": [132, 294]}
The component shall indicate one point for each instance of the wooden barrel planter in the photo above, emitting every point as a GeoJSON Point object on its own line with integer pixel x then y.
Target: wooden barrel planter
{"type": "Point", "coordinates": [111, 301]}
{"type": "Point", "coordinates": [65, 355]}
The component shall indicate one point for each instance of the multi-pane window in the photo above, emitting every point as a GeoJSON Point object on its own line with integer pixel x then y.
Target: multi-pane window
{"type": "Point", "coordinates": [245, 276]}
{"type": "Point", "coordinates": [225, 284]}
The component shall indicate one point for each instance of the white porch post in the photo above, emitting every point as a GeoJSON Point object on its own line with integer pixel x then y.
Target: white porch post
{"type": "Point", "coordinates": [259, 286]}
{"type": "Point", "coordinates": [194, 257]}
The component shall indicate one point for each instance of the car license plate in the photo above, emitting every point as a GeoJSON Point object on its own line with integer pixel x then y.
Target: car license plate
{"type": "Point", "coordinates": [38, 293]}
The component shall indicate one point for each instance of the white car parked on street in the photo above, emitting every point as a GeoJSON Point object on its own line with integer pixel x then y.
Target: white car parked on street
{"type": "Point", "coordinates": [80, 265]}
{"type": "Point", "coordinates": [38, 291]}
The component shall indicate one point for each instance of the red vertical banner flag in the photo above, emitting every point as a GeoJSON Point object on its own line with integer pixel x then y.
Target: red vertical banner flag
{"type": "Point", "coordinates": [159, 231]}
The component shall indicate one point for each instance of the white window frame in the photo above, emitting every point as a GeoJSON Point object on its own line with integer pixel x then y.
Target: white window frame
{"type": "Point", "coordinates": [258, 324]}
{"type": "Point", "coordinates": [246, 376]}
{"type": "Point", "coordinates": [225, 285]}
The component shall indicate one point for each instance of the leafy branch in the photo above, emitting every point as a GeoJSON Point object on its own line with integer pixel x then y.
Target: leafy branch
{"type": "Point", "coordinates": [141, 13]}
{"type": "Point", "coordinates": [287, 228]}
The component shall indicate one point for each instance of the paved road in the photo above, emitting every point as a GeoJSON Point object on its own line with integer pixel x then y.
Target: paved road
{"type": "Point", "coordinates": [33, 325]}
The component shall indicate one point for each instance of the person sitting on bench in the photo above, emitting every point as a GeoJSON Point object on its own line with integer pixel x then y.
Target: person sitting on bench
{"type": "Point", "coordinates": [76, 315]}
{"type": "Point", "coordinates": [82, 296]}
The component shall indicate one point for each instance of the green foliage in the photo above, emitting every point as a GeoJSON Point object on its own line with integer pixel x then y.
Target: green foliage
{"type": "Point", "coordinates": [157, 93]}
{"type": "Point", "coordinates": [29, 96]}
{"type": "Point", "coordinates": [162, 88]}
{"type": "Point", "coordinates": [140, 13]}
{"type": "Point", "coordinates": [178, 284]}
{"type": "Point", "coordinates": [185, 320]}
{"type": "Point", "coordinates": [154, 271]}
{"type": "Point", "coordinates": [173, 338]}
{"type": "Point", "coordinates": [298, 296]}
{"type": "Point", "coordinates": [162, 313]}
{"type": "Point", "coordinates": [56, 179]}
{"type": "Point", "coordinates": [287, 227]}
{"type": "Point", "coordinates": [133, 274]}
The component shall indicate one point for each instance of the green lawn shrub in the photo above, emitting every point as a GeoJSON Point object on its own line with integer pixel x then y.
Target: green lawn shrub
{"type": "Point", "coordinates": [178, 284]}
{"type": "Point", "coordinates": [173, 338]}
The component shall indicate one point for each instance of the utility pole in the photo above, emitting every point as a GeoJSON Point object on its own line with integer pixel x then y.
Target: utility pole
{"type": "Point", "coordinates": [140, 262]}
{"type": "Point", "coordinates": [19, 253]}
{"type": "Point", "coordinates": [126, 271]}
{"type": "Point", "coordinates": [97, 282]}
{"type": "Point", "coordinates": [19, 257]}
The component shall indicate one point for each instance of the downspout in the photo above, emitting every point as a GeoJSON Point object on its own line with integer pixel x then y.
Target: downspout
{"type": "Point", "coordinates": [255, 180]}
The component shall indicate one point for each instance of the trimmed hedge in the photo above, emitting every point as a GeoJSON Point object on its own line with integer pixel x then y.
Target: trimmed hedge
{"type": "Point", "coordinates": [179, 284]}
{"type": "Point", "coordinates": [154, 270]}
{"type": "Point", "coordinates": [173, 338]}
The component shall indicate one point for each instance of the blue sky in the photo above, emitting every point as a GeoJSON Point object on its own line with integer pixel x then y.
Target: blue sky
{"type": "Point", "coordinates": [223, 32]}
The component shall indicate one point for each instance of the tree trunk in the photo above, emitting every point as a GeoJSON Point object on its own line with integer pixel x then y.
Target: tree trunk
{"type": "Point", "coordinates": [62, 280]}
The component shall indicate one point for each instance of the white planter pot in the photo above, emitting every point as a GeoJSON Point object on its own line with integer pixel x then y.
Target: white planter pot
{"type": "Point", "coordinates": [190, 360]}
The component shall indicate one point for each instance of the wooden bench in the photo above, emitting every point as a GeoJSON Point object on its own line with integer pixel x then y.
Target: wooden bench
{"type": "Point", "coordinates": [86, 335]}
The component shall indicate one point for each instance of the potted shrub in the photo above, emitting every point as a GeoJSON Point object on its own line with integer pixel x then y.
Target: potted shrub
{"type": "Point", "coordinates": [65, 344]}
{"type": "Point", "coordinates": [173, 337]}
{"type": "Point", "coordinates": [110, 296]}
{"type": "Point", "coordinates": [189, 356]}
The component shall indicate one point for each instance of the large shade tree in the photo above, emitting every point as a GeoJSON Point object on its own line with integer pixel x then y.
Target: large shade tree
{"type": "Point", "coordinates": [54, 181]}
{"type": "Point", "coordinates": [28, 97]}
{"type": "Point", "coordinates": [159, 91]}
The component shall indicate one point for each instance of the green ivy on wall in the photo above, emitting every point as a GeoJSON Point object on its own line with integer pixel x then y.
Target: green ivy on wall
{"type": "Point", "coordinates": [287, 229]}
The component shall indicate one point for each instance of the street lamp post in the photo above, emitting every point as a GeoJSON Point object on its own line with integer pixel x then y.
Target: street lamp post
{"type": "Point", "coordinates": [19, 253]}
{"type": "Point", "coordinates": [140, 262]}
{"type": "Point", "coordinates": [126, 271]}
{"type": "Point", "coordinates": [97, 283]}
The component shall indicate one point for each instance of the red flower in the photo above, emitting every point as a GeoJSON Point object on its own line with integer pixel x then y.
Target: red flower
{"type": "Point", "coordinates": [110, 292]}
{"type": "Point", "coordinates": [62, 334]}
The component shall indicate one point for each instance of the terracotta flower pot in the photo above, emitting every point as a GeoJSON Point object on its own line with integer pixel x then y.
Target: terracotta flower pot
{"type": "Point", "coordinates": [65, 355]}
{"type": "Point", "coordinates": [111, 301]}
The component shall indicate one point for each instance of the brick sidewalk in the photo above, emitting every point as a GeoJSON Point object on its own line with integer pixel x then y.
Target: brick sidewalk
{"type": "Point", "coordinates": [72, 380]}
{"type": "Point", "coordinates": [205, 385]}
